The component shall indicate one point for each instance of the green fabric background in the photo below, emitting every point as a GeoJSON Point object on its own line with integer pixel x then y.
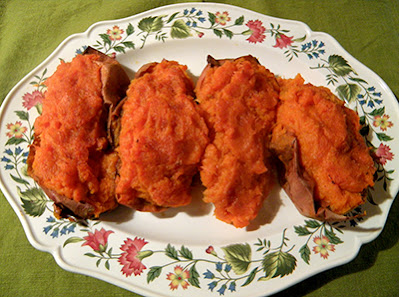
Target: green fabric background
{"type": "Point", "coordinates": [30, 30]}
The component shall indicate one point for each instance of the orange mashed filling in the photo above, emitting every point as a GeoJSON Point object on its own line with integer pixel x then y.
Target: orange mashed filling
{"type": "Point", "coordinates": [161, 141]}
{"type": "Point", "coordinates": [238, 100]}
{"type": "Point", "coordinates": [332, 151]}
{"type": "Point", "coordinates": [70, 157]}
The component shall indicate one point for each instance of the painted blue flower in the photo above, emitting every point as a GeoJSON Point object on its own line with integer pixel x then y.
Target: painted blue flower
{"type": "Point", "coordinates": [377, 94]}
{"type": "Point", "coordinates": [25, 154]}
{"type": "Point", "coordinates": [371, 89]}
{"type": "Point", "coordinates": [54, 234]}
{"type": "Point", "coordinates": [208, 274]}
{"type": "Point", "coordinates": [316, 55]}
{"type": "Point", "coordinates": [304, 46]}
{"type": "Point", "coordinates": [219, 266]}
{"type": "Point", "coordinates": [362, 102]}
{"type": "Point", "coordinates": [193, 10]}
{"type": "Point", "coordinates": [322, 52]}
{"type": "Point", "coordinates": [188, 23]}
{"type": "Point", "coordinates": [8, 152]}
{"type": "Point", "coordinates": [227, 268]}
{"type": "Point", "coordinates": [360, 96]}
{"type": "Point", "coordinates": [314, 42]}
{"type": "Point", "coordinates": [199, 12]}
{"type": "Point", "coordinates": [378, 101]}
{"type": "Point", "coordinates": [310, 56]}
{"type": "Point", "coordinates": [370, 104]}
{"type": "Point", "coordinates": [212, 285]}
{"type": "Point", "coordinates": [9, 167]}
{"type": "Point", "coordinates": [232, 287]}
{"type": "Point", "coordinates": [50, 219]}
{"type": "Point", "coordinates": [24, 160]}
{"type": "Point", "coordinates": [71, 228]}
{"type": "Point", "coordinates": [64, 230]}
{"type": "Point", "coordinates": [18, 150]}
{"type": "Point", "coordinates": [222, 289]}
{"type": "Point", "coordinates": [194, 24]}
{"type": "Point", "coordinates": [4, 159]}
{"type": "Point", "coordinates": [321, 44]}
{"type": "Point", "coordinates": [47, 229]}
{"type": "Point", "coordinates": [185, 12]}
{"type": "Point", "coordinates": [201, 19]}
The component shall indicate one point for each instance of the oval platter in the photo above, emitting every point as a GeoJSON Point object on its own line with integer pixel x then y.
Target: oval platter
{"type": "Point", "coordinates": [186, 251]}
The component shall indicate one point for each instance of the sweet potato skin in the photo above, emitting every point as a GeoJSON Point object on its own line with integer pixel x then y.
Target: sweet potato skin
{"type": "Point", "coordinates": [70, 157]}
{"type": "Point", "coordinates": [162, 138]}
{"type": "Point", "coordinates": [238, 99]}
{"type": "Point", "coordinates": [327, 163]}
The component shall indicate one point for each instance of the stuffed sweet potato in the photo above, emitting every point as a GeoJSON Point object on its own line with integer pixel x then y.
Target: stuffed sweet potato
{"type": "Point", "coordinates": [161, 139]}
{"type": "Point", "coordinates": [238, 99]}
{"type": "Point", "coordinates": [71, 158]}
{"type": "Point", "coordinates": [326, 166]}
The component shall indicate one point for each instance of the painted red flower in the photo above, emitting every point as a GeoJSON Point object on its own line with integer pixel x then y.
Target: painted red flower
{"type": "Point", "coordinates": [97, 240]}
{"type": "Point", "coordinates": [16, 130]}
{"type": "Point", "coordinates": [31, 100]}
{"type": "Point", "coordinates": [382, 122]}
{"type": "Point", "coordinates": [283, 41]}
{"type": "Point", "coordinates": [180, 277]}
{"type": "Point", "coordinates": [323, 246]}
{"type": "Point", "coordinates": [131, 258]}
{"type": "Point", "coordinates": [256, 30]}
{"type": "Point", "coordinates": [383, 154]}
{"type": "Point", "coordinates": [115, 33]}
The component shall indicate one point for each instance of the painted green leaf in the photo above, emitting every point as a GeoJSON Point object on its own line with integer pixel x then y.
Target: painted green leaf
{"type": "Point", "coordinates": [359, 80]}
{"type": "Point", "coordinates": [90, 255]}
{"type": "Point", "coordinates": [180, 30]}
{"type": "Point", "coordinates": [194, 277]}
{"type": "Point", "coordinates": [278, 264]}
{"type": "Point", "coordinates": [153, 273]}
{"type": "Point", "coordinates": [384, 137]}
{"type": "Point", "coordinates": [171, 252]}
{"type": "Point", "coordinates": [312, 224]}
{"type": "Point", "coordinates": [105, 38]}
{"type": "Point", "coordinates": [339, 65]}
{"type": "Point", "coordinates": [301, 230]}
{"type": "Point", "coordinates": [151, 24]}
{"type": "Point", "coordinates": [128, 44]}
{"type": "Point", "coordinates": [251, 277]}
{"type": "Point", "coordinates": [378, 112]}
{"type": "Point", "coordinates": [15, 141]}
{"type": "Point", "coordinates": [107, 264]}
{"type": "Point", "coordinates": [348, 92]}
{"type": "Point", "coordinates": [171, 18]}
{"type": "Point", "coordinates": [305, 253]}
{"type": "Point", "coordinates": [228, 33]}
{"type": "Point", "coordinates": [186, 253]}
{"type": "Point", "coordinates": [238, 256]}
{"type": "Point", "coordinates": [212, 18]}
{"type": "Point", "coordinates": [23, 115]}
{"type": "Point", "coordinates": [218, 33]}
{"type": "Point", "coordinates": [119, 49]}
{"type": "Point", "coordinates": [239, 21]}
{"type": "Point", "coordinates": [72, 239]}
{"type": "Point", "coordinates": [334, 239]}
{"type": "Point", "coordinates": [33, 201]}
{"type": "Point", "coordinates": [130, 29]}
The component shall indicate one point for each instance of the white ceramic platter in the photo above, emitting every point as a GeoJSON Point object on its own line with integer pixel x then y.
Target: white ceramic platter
{"type": "Point", "coordinates": [187, 252]}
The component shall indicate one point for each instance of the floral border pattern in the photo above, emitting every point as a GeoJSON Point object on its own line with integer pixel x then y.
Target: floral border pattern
{"type": "Point", "coordinates": [233, 266]}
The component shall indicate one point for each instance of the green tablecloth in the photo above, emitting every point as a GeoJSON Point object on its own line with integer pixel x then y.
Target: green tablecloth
{"type": "Point", "coordinates": [31, 30]}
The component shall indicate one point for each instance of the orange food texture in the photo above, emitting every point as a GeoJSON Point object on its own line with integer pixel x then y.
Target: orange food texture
{"type": "Point", "coordinates": [238, 100]}
{"type": "Point", "coordinates": [162, 139]}
{"type": "Point", "coordinates": [70, 136]}
{"type": "Point", "coordinates": [331, 150]}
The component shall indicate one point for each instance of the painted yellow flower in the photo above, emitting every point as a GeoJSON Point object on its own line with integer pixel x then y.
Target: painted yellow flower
{"type": "Point", "coordinates": [222, 18]}
{"type": "Point", "coordinates": [323, 246]}
{"type": "Point", "coordinates": [382, 122]}
{"type": "Point", "coordinates": [115, 33]}
{"type": "Point", "coordinates": [16, 130]}
{"type": "Point", "coordinates": [180, 277]}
